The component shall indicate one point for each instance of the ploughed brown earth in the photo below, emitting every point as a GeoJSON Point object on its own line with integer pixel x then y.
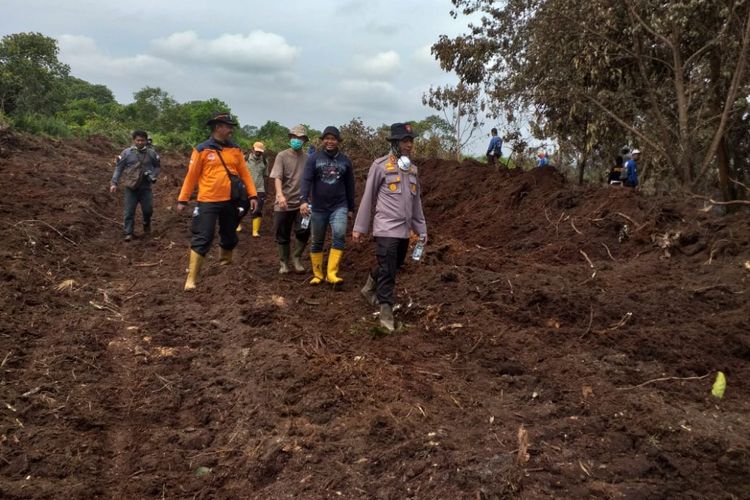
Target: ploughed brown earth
{"type": "Point", "coordinates": [118, 384]}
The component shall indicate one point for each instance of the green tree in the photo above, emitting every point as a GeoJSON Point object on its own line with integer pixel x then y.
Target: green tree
{"type": "Point", "coordinates": [461, 106]}
{"type": "Point", "coordinates": [31, 76]}
{"type": "Point", "coordinates": [81, 89]}
{"type": "Point", "coordinates": [153, 108]}
{"type": "Point", "coordinates": [435, 138]}
{"type": "Point", "coordinates": [274, 135]}
{"type": "Point", "coordinates": [361, 141]}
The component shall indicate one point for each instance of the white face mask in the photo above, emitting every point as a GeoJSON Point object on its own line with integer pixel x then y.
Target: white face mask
{"type": "Point", "coordinates": [404, 163]}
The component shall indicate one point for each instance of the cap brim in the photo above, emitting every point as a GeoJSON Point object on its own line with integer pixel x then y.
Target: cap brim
{"type": "Point", "coordinates": [211, 122]}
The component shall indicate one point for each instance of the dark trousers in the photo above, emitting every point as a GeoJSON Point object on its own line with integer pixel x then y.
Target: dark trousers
{"type": "Point", "coordinates": [204, 225]}
{"type": "Point", "coordinates": [491, 160]}
{"type": "Point", "coordinates": [286, 222]}
{"type": "Point", "coordinates": [391, 253]}
{"type": "Point", "coordinates": [259, 208]}
{"type": "Point", "coordinates": [133, 197]}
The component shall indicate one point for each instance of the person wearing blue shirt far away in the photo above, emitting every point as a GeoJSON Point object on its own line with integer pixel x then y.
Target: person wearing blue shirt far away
{"type": "Point", "coordinates": [495, 149]}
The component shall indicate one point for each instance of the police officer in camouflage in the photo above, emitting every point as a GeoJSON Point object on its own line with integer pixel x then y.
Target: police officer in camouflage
{"type": "Point", "coordinates": [137, 168]}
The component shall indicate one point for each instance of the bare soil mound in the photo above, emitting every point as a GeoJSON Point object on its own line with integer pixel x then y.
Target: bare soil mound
{"type": "Point", "coordinates": [591, 319]}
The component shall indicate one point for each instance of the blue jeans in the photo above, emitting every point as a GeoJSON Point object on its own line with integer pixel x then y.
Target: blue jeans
{"type": "Point", "coordinates": [133, 197]}
{"type": "Point", "coordinates": [319, 224]}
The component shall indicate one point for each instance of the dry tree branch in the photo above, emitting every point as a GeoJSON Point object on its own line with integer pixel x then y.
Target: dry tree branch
{"type": "Point", "coordinates": [621, 323]}
{"type": "Point", "coordinates": [574, 226]}
{"type": "Point", "coordinates": [36, 221]}
{"type": "Point", "coordinates": [591, 321]}
{"type": "Point", "coordinates": [608, 252]}
{"type": "Point", "coordinates": [654, 33]}
{"type": "Point", "coordinates": [731, 96]}
{"type": "Point", "coordinates": [712, 202]}
{"type": "Point", "coordinates": [628, 218]}
{"type": "Point", "coordinates": [587, 258]}
{"type": "Point", "coordinates": [662, 379]}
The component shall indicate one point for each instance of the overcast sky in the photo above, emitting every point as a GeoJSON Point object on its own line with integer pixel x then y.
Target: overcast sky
{"type": "Point", "coordinates": [319, 63]}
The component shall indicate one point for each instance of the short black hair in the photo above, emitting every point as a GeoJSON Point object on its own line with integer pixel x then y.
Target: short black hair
{"type": "Point", "coordinates": [139, 133]}
{"type": "Point", "coordinates": [494, 131]}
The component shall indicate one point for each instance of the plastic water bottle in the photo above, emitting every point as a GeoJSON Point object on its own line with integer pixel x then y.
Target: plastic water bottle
{"type": "Point", "coordinates": [419, 248]}
{"type": "Point", "coordinates": [305, 223]}
{"type": "Point", "coordinates": [196, 212]}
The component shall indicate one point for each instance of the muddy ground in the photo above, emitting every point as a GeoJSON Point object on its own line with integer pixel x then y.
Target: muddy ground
{"type": "Point", "coordinates": [534, 310]}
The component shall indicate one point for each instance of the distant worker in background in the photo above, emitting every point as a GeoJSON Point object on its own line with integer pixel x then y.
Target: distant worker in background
{"type": "Point", "coordinates": [210, 167]}
{"type": "Point", "coordinates": [615, 172]}
{"type": "Point", "coordinates": [138, 168]}
{"type": "Point", "coordinates": [257, 164]}
{"type": "Point", "coordinates": [287, 176]}
{"type": "Point", "coordinates": [625, 153]}
{"type": "Point", "coordinates": [392, 201]}
{"type": "Point", "coordinates": [495, 149]}
{"type": "Point", "coordinates": [328, 181]}
{"type": "Point", "coordinates": [630, 172]}
{"type": "Point", "coordinates": [542, 159]}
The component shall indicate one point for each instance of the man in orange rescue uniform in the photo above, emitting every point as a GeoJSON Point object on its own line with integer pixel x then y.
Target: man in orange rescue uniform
{"type": "Point", "coordinates": [208, 168]}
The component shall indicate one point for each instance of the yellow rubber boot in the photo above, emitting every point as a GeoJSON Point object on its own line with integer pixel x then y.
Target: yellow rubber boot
{"type": "Point", "coordinates": [194, 268]}
{"type": "Point", "coordinates": [226, 257]}
{"type": "Point", "coordinates": [334, 259]}
{"type": "Point", "coordinates": [256, 227]}
{"type": "Point", "coordinates": [317, 267]}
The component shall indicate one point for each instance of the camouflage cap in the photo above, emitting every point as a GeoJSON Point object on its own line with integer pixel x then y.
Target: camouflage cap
{"type": "Point", "coordinates": [298, 131]}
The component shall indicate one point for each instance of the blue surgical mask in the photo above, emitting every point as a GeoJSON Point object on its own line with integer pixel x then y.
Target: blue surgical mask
{"type": "Point", "coordinates": [296, 144]}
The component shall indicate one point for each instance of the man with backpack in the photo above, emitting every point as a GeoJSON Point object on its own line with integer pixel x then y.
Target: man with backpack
{"type": "Point", "coordinates": [138, 168]}
{"type": "Point", "coordinates": [495, 149]}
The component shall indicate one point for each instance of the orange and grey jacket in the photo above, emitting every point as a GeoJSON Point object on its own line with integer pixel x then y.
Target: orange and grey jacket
{"type": "Point", "coordinates": [207, 172]}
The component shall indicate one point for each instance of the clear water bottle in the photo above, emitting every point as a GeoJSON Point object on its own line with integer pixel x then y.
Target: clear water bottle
{"type": "Point", "coordinates": [305, 223]}
{"type": "Point", "coordinates": [419, 248]}
{"type": "Point", "coordinates": [196, 212]}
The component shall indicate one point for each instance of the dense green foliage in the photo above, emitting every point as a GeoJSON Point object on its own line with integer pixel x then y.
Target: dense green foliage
{"type": "Point", "coordinates": [39, 96]}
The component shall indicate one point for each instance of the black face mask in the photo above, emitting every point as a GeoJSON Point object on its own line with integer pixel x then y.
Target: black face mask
{"type": "Point", "coordinates": [257, 155]}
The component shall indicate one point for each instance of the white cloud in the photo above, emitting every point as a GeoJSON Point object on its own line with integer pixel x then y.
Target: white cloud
{"type": "Point", "coordinates": [258, 50]}
{"type": "Point", "coordinates": [366, 95]}
{"type": "Point", "coordinates": [89, 62]}
{"type": "Point", "coordinates": [423, 55]}
{"type": "Point", "coordinates": [366, 87]}
{"type": "Point", "coordinates": [381, 66]}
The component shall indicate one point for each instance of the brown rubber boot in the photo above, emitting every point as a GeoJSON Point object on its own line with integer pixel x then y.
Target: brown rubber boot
{"type": "Point", "coordinates": [368, 291]}
{"type": "Point", "coordinates": [386, 317]}
{"type": "Point", "coordinates": [284, 259]}
{"type": "Point", "coordinates": [226, 257]}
